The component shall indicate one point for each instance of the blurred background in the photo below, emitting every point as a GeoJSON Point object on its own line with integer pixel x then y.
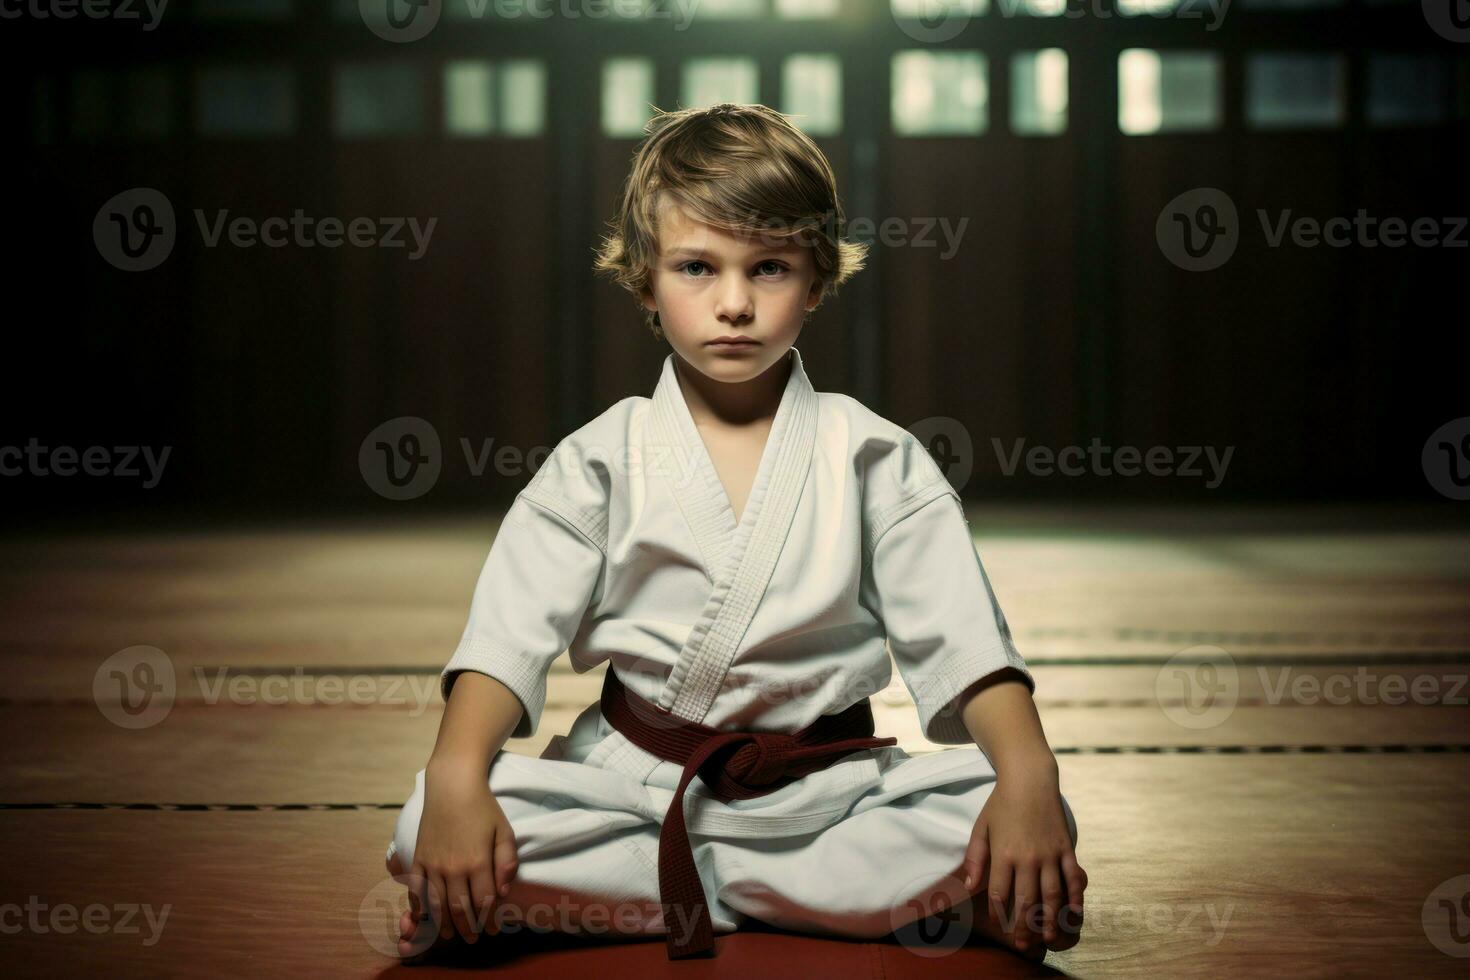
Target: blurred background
{"type": "Point", "coordinates": [1086, 220]}
{"type": "Point", "coordinates": [302, 293]}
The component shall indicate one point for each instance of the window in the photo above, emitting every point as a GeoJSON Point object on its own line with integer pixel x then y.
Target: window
{"type": "Point", "coordinates": [939, 93]}
{"type": "Point", "coordinates": [245, 100]}
{"type": "Point", "coordinates": [932, 10]}
{"type": "Point", "coordinates": [89, 105]}
{"type": "Point", "coordinates": [627, 94]}
{"type": "Point", "coordinates": [522, 97]}
{"type": "Point", "coordinates": [728, 9]}
{"type": "Point", "coordinates": [469, 98]}
{"type": "Point", "coordinates": [1294, 90]}
{"type": "Point", "coordinates": [1173, 91]}
{"type": "Point", "coordinates": [243, 9]}
{"type": "Point", "coordinates": [1039, 91]}
{"type": "Point", "coordinates": [1405, 89]}
{"type": "Point", "coordinates": [710, 81]}
{"type": "Point", "coordinates": [482, 97]}
{"type": "Point", "coordinates": [811, 93]}
{"type": "Point", "coordinates": [806, 9]}
{"type": "Point", "coordinates": [150, 102]}
{"type": "Point", "coordinates": [378, 99]}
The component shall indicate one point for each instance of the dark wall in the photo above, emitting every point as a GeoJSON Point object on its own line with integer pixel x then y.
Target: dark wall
{"type": "Point", "coordinates": [1059, 320]}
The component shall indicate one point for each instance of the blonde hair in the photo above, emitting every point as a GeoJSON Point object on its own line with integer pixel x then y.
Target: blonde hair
{"type": "Point", "coordinates": [744, 169]}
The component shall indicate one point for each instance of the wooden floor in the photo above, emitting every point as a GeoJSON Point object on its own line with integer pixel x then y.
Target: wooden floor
{"type": "Point", "coordinates": [1309, 823]}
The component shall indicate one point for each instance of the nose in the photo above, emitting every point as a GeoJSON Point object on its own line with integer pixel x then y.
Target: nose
{"type": "Point", "coordinates": [733, 300]}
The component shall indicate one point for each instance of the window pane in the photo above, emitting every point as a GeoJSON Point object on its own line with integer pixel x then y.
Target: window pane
{"type": "Point", "coordinates": [811, 93]}
{"type": "Point", "coordinates": [89, 105]}
{"type": "Point", "coordinates": [1039, 91]}
{"type": "Point", "coordinates": [243, 9]}
{"type": "Point", "coordinates": [627, 91]}
{"type": "Point", "coordinates": [940, 92]}
{"type": "Point", "coordinates": [1208, 13]}
{"type": "Point", "coordinates": [1175, 91]}
{"type": "Point", "coordinates": [1462, 87]}
{"type": "Point", "coordinates": [1407, 89]}
{"type": "Point", "coordinates": [933, 10]}
{"type": "Point", "coordinates": [728, 8]}
{"type": "Point", "coordinates": [150, 102]}
{"type": "Point", "coordinates": [44, 100]}
{"type": "Point", "coordinates": [378, 100]}
{"type": "Point", "coordinates": [522, 97]}
{"type": "Point", "coordinates": [469, 98]}
{"type": "Point", "coordinates": [806, 9]}
{"type": "Point", "coordinates": [1294, 90]}
{"type": "Point", "coordinates": [1290, 4]}
{"type": "Point", "coordinates": [710, 81]}
{"type": "Point", "coordinates": [257, 100]}
{"type": "Point", "coordinates": [1034, 8]}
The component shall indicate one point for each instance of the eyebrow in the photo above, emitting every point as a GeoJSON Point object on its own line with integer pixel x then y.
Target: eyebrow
{"type": "Point", "coordinates": [699, 253]}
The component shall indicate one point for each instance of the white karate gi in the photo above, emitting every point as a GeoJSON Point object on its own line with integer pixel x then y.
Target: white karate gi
{"type": "Point", "coordinates": [623, 548]}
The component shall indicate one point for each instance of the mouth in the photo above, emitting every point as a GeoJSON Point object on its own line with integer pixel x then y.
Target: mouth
{"type": "Point", "coordinates": [732, 342]}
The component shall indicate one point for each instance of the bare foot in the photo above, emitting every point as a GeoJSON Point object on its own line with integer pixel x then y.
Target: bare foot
{"type": "Point", "coordinates": [986, 924]}
{"type": "Point", "coordinates": [1068, 928]}
{"type": "Point", "coordinates": [412, 932]}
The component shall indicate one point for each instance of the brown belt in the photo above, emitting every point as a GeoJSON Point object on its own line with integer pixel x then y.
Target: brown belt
{"type": "Point", "coordinates": [735, 766]}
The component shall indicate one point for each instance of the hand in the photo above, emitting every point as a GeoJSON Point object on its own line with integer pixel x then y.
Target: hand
{"type": "Point", "coordinates": [465, 852]}
{"type": "Point", "coordinates": [1021, 835]}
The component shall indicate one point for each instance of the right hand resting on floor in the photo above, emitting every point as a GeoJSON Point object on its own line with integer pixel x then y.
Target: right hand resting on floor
{"type": "Point", "coordinates": [465, 854]}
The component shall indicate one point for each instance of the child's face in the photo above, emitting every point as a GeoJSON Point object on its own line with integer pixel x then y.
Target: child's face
{"type": "Point", "coordinates": [708, 283]}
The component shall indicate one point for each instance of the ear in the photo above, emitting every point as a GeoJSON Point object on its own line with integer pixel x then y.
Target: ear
{"type": "Point", "coordinates": [645, 296]}
{"type": "Point", "coordinates": [814, 295]}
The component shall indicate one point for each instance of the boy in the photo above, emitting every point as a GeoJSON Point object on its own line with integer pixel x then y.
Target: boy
{"type": "Point", "coordinates": [743, 552]}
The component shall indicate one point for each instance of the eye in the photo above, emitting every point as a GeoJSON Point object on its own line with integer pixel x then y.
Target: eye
{"type": "Point", "coordinates": [690, 264]}
{"type": "Point", "coordinates": [777, 267]}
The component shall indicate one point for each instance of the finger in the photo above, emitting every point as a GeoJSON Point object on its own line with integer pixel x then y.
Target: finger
{"type": "Point", "coordinates": [1051, 899]}
{"type": "Point", "coordinates": [976, 856]}
{"type": "Point", "coordinates": [1076, 886]}
{"type": "Point", "coordinates": [438, 914]}
{"type": "Point", "coordinates": [416, 876]}
{"type": "Point", "coordinates": [482, 899]}
{"type": "Point", "coordinates": [505, 861]}
{"type": "Point", "coordinates": [460, 907]}
{"type": "Point", "coordinates": [1001, 872]}
{"type": "Point", "coordinates": [1025, 889]}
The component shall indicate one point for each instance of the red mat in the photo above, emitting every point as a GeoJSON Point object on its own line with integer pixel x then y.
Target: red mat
{"type": "Point", "coordinates": [755, 951]}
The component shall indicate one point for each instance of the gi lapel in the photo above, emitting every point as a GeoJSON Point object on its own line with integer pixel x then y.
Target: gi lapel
{"type": "Point", "coordinates": [740, 558]}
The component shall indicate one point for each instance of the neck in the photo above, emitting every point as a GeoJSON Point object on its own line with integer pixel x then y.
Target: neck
{"type": "Point", "coordinates": [737, 403]}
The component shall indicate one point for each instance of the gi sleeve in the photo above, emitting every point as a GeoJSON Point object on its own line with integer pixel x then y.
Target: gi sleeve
{"type": "Point", "coordinates": [944, 626]}
{"type": "Point", "coordinates": [541, 575]}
